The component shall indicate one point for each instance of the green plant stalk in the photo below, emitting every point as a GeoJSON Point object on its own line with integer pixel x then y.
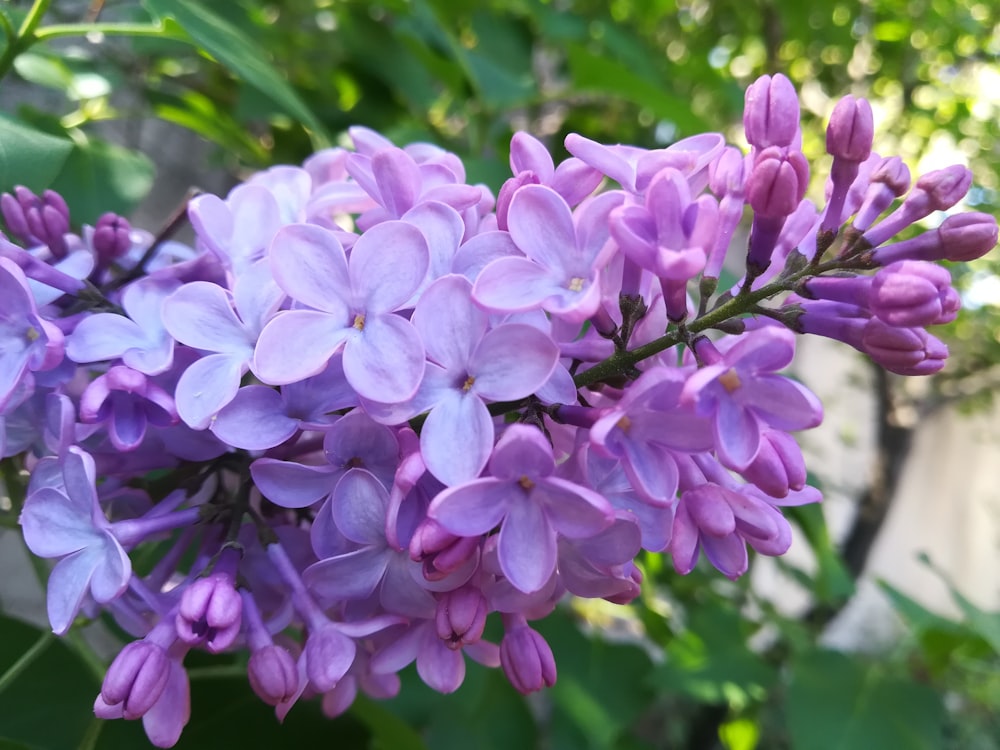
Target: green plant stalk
{"type": "Point", "coordinates": [25, 660]}
{"type": "Point", "coordinates": [621, 362]}
{"type": "Point", "coordinates": [109, 29]}
{"type": "Point", "coordinates": [24, 37]}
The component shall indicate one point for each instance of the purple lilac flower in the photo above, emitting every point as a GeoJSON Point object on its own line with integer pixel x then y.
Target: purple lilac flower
{"type": "Point", "coordinates": [739, 392]}
{"type": "Point", "coordinates": [529, 503]}
{"type": "Point", "coordinates": [27, 342]}
{"type": "Point", "coordinates": [353, 304]}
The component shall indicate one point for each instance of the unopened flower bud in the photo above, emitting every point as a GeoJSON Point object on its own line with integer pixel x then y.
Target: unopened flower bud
{"type": "Point", "coordinates": [111, 238]}
{"type": "Point", "coordinates": [851, 130]}
{"type": "Point", "coordinates": [777, 182]}
{"type": "Point", "coordinates": [889, 179]}
{"type": "Point", "coordinates": [37, 219]}
{"type": "Point", "coordinates": [461, 616]}
{"type": "Point", "coordinates": [441, 552]}
{"type": "Point", "coordinates": [273, 674]}
{"type": "Point", "coordinates": [210, 612]}
{"type": "Point", "coordinates": [961, 237]}
{"type": "Point", "coordinates": [771, 112]}
{"type": "Point", "coordinates": [935, 191]}
{"type": "Point", "coordinates": [914, 293]}
{"type": "Point", "coordinates": [136, 678]}
{"type": "Point", "coordinates": [905, 351]}
{"type": "Point", "coordinates": [527, 659]}
{"type": "Point", "coordinates": [778, 466]}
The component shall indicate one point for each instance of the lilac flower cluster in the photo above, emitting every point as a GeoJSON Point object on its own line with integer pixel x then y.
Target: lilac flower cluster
{"type": "Point", "coordinates": [375, 405]}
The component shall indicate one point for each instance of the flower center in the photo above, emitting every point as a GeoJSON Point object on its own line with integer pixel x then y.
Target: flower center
{"type": "Point", "coordinates": [359, 321]}
{"type": "Point", "coordinates": [467, 385]}
{"type": "Point", "coordinates": [624, 424]}
{"type": "Point", "coordinates": [525, 482]}
{"type": "Point", "coordinates": [730, 380]}
{"type": "Point", "coordinates": [32, 334]}
{"type": "Point", "coordinates": [576, 284]}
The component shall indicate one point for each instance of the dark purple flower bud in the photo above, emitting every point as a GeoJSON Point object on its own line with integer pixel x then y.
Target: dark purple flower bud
{"type": "Point", "coordinates": [889, 179]}
{"type": "Point", "coordinates": [527, 659]}
{"type": "Point", "coordinates": [914, 293]}
{"type": "Point", "coordinates": [771, 112]}
{"type": "Point", "coordinates": [851, 130]}
{"type": "Point", "coordinates": [111, 238]}
{"type": "Point", "coordinates": [777, 182]}
{"type": "Point", "coordinates": [461, 616]}
{"type": "Point", "coordinates": [273, 674]}
{"type": "Point", "coordinates": [905, 351]}
{"type": "Point", "coordinates": [961, 237]}
{"type": "Point", "coordinates": [210, 612]}
{"type": "Point", "coordinates": [779, 465]}
{"type": "Point", "coordinates": [37, 220]}
{"type": "Point", "coordinates": [136, 678]}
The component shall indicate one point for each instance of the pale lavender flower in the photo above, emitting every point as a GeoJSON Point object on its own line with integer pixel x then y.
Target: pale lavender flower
{"type": "Point", "coordinates": [27, 342]}
{"type": "Point", "coordinates": [564, 256]}
{"type": "Point", "coordinates": [470, 365]}
{"type": "Point", "coordinates": [353, 304]}
{"type": "Point", "coordinates": [739, 391]}
{"type": "Point", "coordinates": [139, 337]}
{"type": "Point", "coordinates": [205, 316]}
{"type": "Point", "coordinates": [530, 504]}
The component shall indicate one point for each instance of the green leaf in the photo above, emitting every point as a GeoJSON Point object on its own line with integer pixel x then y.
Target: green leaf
{"type": "Point", "coordinates": [55, 684]}
{"type": "Point", "coordinates": [839, 703]}
{"type": "Point", "coordinates": [599, 73]}
{"type": "Point", "coordinates": [601, 687]}
{"type": "Point", "coordinates": [99, 177]}
{"type": "Point", "coordinates": [29, 157]}
{"type": "Point", "coordinates": [389, 732]}
{"type": "Point", "coordinates": [711, 660]}
{"type": "Point", "coordinates": [241, 55]}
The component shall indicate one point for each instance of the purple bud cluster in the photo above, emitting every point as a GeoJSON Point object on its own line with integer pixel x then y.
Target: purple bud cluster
{"type": "Point", "coordinates": [374, 406]}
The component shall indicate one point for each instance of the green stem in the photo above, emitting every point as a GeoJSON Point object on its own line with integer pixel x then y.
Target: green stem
{"type": "Point", "coordinates": [92, 735]}
{"type": "Point", "coordinates": [57, 30]}
{"type": "Point", "coordinates": [25, 36]}
{"type": "Point", "coordinates": [15, 669]}
{"type": "Point", "coordinates": [620, 362]}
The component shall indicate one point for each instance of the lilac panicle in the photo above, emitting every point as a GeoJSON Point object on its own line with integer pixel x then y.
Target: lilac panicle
{"type": "Point", "coordinates": [373, 407]}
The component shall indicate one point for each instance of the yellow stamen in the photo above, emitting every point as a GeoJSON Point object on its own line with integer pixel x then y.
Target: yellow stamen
{"type": "Point", "coordinates": [526, 483]}
{"type": "Point", "coordinates": [32, 334]}
{"type": "Point", "coordinates": [467, 385]}
{"type": "Point", "coordinates": [623, 424]}
{"type": "Point", "coordinates": [359, 321]}
{"type": "Point", "coordinates": [730, 380]}
{"type": "Point", "coordinates": [576, 284]}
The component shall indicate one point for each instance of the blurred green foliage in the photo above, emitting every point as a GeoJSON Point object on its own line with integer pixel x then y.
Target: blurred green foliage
{"type": "Point", "coordinates": [699, 662]}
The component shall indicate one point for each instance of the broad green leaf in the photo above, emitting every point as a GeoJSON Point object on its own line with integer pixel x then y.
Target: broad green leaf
{"type": "Point", "coordinates": [389, 732]}
{"type": "Point", "coordinates": [238, 52]}
{"type": "Point", "coordinates": [601, 686]}
{"type": "Point", "coordinates": [49, 705]}
{"type": "Point", "coordinates": [836, 702]}
{"type": "Point", "coordinates": [29, 157]}
{"type": "Point", "coordinates": [99, 177]}
{"type": "Point", "coordinates": [831, 582]}
{"type": "Point", "coordinates": [712, 659]}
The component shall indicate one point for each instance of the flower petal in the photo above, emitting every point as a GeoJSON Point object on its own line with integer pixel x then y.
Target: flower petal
{"type": "Point", "coordinates": [297, 344]}
{"type": "Point", "coordinates": [386, 362]}
{"type": "Point", "coordinates": [527, 545]}
{"type": "Point", "coordinates": [457, 438]}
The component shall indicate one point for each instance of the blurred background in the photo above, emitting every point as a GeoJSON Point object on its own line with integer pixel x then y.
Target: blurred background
{"type": "Point", "coordinates": [880, 630]}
